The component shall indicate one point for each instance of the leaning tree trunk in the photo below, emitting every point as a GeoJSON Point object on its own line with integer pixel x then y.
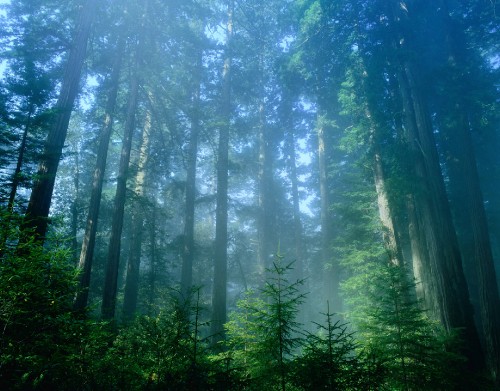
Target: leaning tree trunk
{"type": "Point", "coordinates": [134, 260]}
{"type": "Point", "coordinates": [41, 195]}
{"type": "Point", "coordinates": [219, 310]}
{"type": "Point", "coordinates": [89, 237]}
{"type": "Point", "coordinates": [111, 276]}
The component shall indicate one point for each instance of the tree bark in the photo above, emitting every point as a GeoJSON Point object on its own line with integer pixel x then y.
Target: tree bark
{"type": "Point", "coordinates": [219, 310]}
{"type": "Point", "coordinates": [111, 276]}
{"type": "Point", "coordinates": [292, 167]}
{"type": "Point", "coordinates": [464, 178]}
{"type": "Point", "coordinates": [392, 244]}
{"type": "Point", "coordinates": [330, 266]}
{"type": "Point", "coordinates": [266, 217]}
{"type": "Point", "coordinates": [152, 262]}
{"type": "Point", "coordinates": [134, 260]}
{"type": "Point", "coordinates": [89, 238]}
{"type": "Point", "coordinates": [74, 208]}
{"type": "Point", "coordinates": [41, 195]}
{"type": "Point", "coordinates": [451, 298]}
{"type": "Point", "coordinates": [20, 159]}
{"type": "Point", "coordinates": [188, 247]}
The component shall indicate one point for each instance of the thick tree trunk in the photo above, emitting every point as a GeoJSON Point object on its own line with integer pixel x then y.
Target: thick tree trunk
{"type": "Point", "coordinates": [134, 260]}
{"type": "Point", "coordinates": [111, 276]}
{"type": "Point", "coordinates": [464, 178]}
{"type": "Point", "coordinates": [451, 298]}
{"type": "Point", "coordinates": [41, 195]}
{"type": "Point", "coordinates": [392, 244]}
{"type": "Point", "coordinates": [188, 247]}
{"type": "Point", "coordinates": [219, 309]}
{"type": "Point", "coordinates": [88, 243]}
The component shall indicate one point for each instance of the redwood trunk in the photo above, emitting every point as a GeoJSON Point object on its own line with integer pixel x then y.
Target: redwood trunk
{"type": "Point", "coordinates": [111, 276]}
{"type": "Point", "coordinates": [188, 248]}
{"type": "Point", "coordinates": [134, 260]}
{"type": "Point", "coordinates": [41, 195]}
{"type": "Point", "coordinates": [219, 309]}
{"type": "Point", "coordinates": [89, 238]}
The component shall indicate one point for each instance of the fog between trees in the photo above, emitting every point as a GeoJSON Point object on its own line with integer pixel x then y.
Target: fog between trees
{"type": "Point", "coordinates": [289, 195]}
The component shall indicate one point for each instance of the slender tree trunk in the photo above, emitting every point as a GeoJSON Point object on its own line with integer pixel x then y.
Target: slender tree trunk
{"type": "Point", "coordinates": [330, 267]}
{"type": "Point", "coordinates": [111, 276]}
{"type": "Point", "coordinates": [134, 260]}
{"type": "Point", "coordinates": [219, 310]}
{"type": "Point", "coordinates": [266, 220]}
{"type": "Point", "coordinates": [89, 237]}
{"type": "Point", "coordinates": [188, 248]}
{"type": "Point", "coordinates": [266, 205]}
{"type": "Point", "coordinates": [16, 177]}
{"type": "Point", "coordinates": [75, 208]}
{"type": "Point", "coordinates": [152, 262]}
{"type": "Point", "coordinates": [292, 165]}
{"type": "Point", "coordinates": [41, 195]}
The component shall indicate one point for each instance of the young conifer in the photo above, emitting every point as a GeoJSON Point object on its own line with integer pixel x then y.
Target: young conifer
{"type": "Point", "coordinates": [264, 333]}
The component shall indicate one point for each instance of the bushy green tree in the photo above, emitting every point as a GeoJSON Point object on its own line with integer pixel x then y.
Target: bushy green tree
{"type": "Point", "coordinates": [330, 360]}
{"type": "Point", "coordinates": [415, 352]}
{"type": "Point", "coordinates": [40, 337]}
{"type": "Point", "coordinates": [264, 334]}
{"type": "Point", "coordinates": [162, 352]}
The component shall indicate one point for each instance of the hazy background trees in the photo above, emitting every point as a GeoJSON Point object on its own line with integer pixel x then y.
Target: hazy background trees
{"type": "Point", "coordinates": [182, 145]}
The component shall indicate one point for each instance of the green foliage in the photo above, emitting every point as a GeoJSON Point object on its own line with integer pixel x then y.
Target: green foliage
{"type": "Point", "coordinates": [163, 352]}
{"type": "Point", "coordinates": [264, 334]}
{"type": "Point", "coordinates": [415, 352]}
{"type": "Point", "coordinates": [40, 337]}
{"type": "Point", "coordinates": [329, 361]}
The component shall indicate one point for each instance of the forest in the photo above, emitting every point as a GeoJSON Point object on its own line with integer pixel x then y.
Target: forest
{"type": "Point", "coordinates": [249, 195]}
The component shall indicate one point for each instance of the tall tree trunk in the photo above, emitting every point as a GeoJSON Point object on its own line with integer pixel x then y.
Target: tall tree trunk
{"type": "Point", "coordinates": [292, 167]}
{"type": "Point", "coordinates": [74, 208]}
{"type": "Point", "coordinates": [391, 241]}
{"type": "Point", "coordinates": [41, 195]}
{"type": "Point", "coordinates": [266, 215]}
{"type": "Point", "coordinates": [188, 247]}
{"type": "Point", "coordinates": [111, 276]}
{"type": "Point", "coordinates": [152, 262]}
{"type": "Point", "coordinates": [89, 237]}
{"type": "Point", "coordinates": [16, 177]}
{"type": "Point", "coordinates": [134, 260]}
{"type": "Point", "coordinates": [464, 177]}
{"type": "Point", "coordinates": [433, 212]}
{"type": "Point", "coordinates": [219, 310]}
{"type": "Point", "coordinates": [330, 266]}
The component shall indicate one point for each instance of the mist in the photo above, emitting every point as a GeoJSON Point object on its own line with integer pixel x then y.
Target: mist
{"type": "Point", "coordinates": [224, 195]}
